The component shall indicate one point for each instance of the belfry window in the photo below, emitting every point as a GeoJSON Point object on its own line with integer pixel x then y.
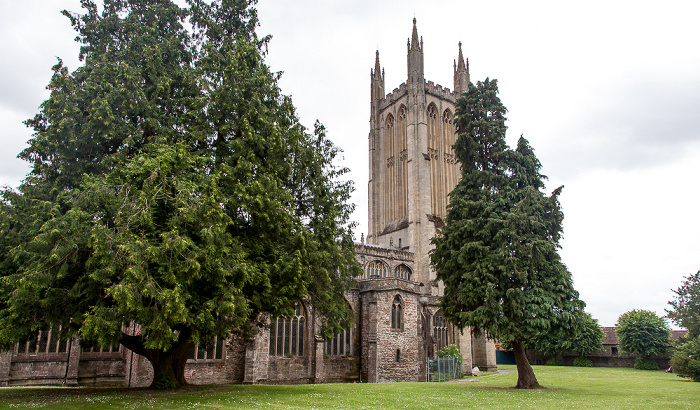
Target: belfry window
{"type": "Point", "coordinates": [287, 334]}
{"type": "Point", "coordinates": [397, 314]}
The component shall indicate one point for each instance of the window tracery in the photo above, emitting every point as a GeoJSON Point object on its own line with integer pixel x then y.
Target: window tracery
{"type": "Point", "coordinates": [287, 334]}
{"type": "Point", "coordinates": [376, 269]}
{"type": "Point", "coordinates": [402, 272]}
{"type": "Point", "coordinates": [440, 330]}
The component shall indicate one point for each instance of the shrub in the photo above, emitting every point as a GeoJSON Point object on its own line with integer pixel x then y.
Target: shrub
{"type": "Point", "coordinates": [165, 383]}
{"type": "Point", "coordinates": [686, 360]}
{"type": "Point", "coordinates": [449, 351]}
{"type": "Point", "coordinates": [554, 362]}
{"type": "Point", "coordinates": [645, 364]}
{"type": "Point", "coordinates": [582, 362]}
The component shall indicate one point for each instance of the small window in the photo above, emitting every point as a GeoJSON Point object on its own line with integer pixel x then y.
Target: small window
{"type": "Point", "coordinates": [397, 314]}
{"type": "Point", "coordinates": [398, 355]}
{"type": "Point", "coordinates": [613, 350]}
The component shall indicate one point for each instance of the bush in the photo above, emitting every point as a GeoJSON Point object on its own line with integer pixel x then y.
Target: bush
{"type": "Point", "coordinates": [449, 351]}
{"type": "Point", "coordinates": [165, 383]}
{"type": "Point", "coordinates": [686, 360]}
{"type": "Point", "coordinates": [554, 362]}
{"type": "Point", "coordinates": [645, 364]}
{"type": "Point", "coordinates": [582, 362]}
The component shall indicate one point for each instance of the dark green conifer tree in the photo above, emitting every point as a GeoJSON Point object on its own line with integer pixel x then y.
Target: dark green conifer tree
{"type": "Point", "coordinates": [497, 253]}
{"type": "Point", "coordinates": [172, 186]}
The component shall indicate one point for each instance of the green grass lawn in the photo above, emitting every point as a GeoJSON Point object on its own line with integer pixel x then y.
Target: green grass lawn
{"type": "Point", "coordinates": [564, 387]}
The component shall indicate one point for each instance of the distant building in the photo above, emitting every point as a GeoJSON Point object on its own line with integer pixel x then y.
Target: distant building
{"type": "Point", "coordinates": [611, 355]}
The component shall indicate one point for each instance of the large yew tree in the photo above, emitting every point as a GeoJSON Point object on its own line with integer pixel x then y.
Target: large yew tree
{"type": "Point", "coordinates": [498, 251]}
{"type": "Point", "coordinates": [172, 186]}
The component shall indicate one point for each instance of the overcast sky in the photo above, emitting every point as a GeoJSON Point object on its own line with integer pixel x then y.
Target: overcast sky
{"type": "Point", "coordinates": [607, 92]}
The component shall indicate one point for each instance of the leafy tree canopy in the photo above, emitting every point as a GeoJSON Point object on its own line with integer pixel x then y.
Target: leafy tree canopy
{"type": "Point", "coordinates": [686, 305]}
{"type": "Point", "coordinates": [686, 359]}
{"type": "Point", "coordinates": [173, 186]}
{"type": "Point", "coordinates": [586, 341]}
{"type": "Point", "coordinates": [498, 251]}
{"type": "Point", "coordinates": [642, 332]}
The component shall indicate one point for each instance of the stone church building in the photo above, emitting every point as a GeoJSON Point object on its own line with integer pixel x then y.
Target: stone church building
{"type": "Point", "coordinates": [397, 321]}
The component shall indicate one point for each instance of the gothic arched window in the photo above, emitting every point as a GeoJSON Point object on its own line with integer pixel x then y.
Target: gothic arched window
{"type": "Point", "coordinates": [440, 332]}
{"type": "Point", "coordinates": [451, 169]}
{"type": "Point", "coordinates": [287, 334]}
{"type": "Point", "coordinates": [402, 168]}
{"type": "Point", "coordinates": [436, 153]}
{"type": "Point", "coordinates": [403, 272]}
{"type": "Point", "coordinates": [390, 178]}
{"type": "Point", "coordinates": [397, 314]}
{"type": "Point", "coordinates": [376, 269]}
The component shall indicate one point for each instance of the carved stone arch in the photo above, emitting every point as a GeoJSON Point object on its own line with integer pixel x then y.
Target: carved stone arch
{"type": "Point", "coordinates": [376, 268]}
{"type": "Point", "coordinates": [403, 272]}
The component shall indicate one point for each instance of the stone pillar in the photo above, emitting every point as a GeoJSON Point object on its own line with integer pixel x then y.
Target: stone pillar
{"type": "Point", "coordinates": [491, 365]}
{"type": "Point", "coordinates": [318, 361]}
{"type": "Point", "coordinates": [256, 359]}
{"type": "Point", "coordinates": [465, 347]}
{"type": "Point", "coordinates": [73, 362]}
{"type": "Point", "coordinates": [369, 327]}
{"type": "Point", "coordinates": [5, 364]}
{"type": "Point", "coordinates": [483, 353]}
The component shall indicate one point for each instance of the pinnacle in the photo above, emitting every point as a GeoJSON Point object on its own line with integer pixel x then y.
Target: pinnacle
{"type": "Point", "coordinates": [460, 59]}
{"type": "Point", "coordinates": [414, 36]}
{"type": "Point", "coordinates": [376, 64]}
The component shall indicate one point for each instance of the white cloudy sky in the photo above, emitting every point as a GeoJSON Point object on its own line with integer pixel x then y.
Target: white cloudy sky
{"type": "Point", "coordinates": [607, 92]}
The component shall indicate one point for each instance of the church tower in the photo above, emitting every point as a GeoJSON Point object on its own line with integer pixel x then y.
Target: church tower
{"type": "Point", "coordinates": [412, 164]}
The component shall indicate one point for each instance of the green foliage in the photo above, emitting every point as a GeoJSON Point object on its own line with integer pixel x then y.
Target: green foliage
{"type": "Point", "coordinates": [587, 339]}
{"type": "Point", "coordinates": [172, 186]}
{"type": "Point", "coordinates": [686, 359]}
{"type": "Point", "coordinates": [582, 362]}
{"type": "Point", "coordinates": [498, 251]}
{"type": "Point", "coordinates": [165, 382]}
{"type": "Point", "coordinates": [449, 351]}
{"type": "Point", "coordinates": [554, 362]}
{"type": "Point", "coordinates": [643, 332]}
{"type": "Point", "coordinates": [686, 306]}
{"type": "Point", "coordinates": [645, 364]}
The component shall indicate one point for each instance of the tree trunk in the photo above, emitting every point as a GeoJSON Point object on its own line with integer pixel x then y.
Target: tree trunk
{"type": "Point", "coordinates": [526, 376]}
{"type": "Point", "coordinates": [169, 363]}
